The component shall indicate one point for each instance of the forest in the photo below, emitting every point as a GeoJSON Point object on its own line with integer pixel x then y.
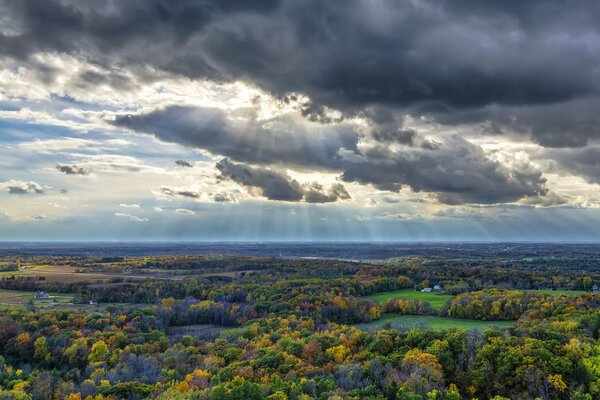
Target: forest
{"type": "Point", "coordinates": [236, 327]}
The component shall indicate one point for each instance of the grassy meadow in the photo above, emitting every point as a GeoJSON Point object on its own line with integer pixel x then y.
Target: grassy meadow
{"type": "Point", "coordinates": [436, 299]}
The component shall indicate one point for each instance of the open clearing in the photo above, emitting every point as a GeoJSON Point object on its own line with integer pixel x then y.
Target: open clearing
{"type": "Point", "coordinates": [66, 274]}
{"type": "Point", "coordinates": [435, 299]}
{"type": "Point", "coordinates": [22, 297]}
{"type": "Point", "coordinates": [437, 323]}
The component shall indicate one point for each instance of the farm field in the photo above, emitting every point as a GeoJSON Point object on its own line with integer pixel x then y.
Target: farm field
{"type": "Point", "coordinates": [66, 274]}
{"type": "Point", "coordinates": [436, 300]}
{"type": "Point", "coordinates": [19, 297]}
{"type": "Point", "coordinates": [436, 323]}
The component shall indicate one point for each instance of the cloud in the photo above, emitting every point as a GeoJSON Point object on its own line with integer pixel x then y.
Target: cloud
{"type": "Point", "coordinates": [183, 163]}
{"type": "Point", "coordinates": [133, 218]}
{"type": "Point", "coordinates": [124, 205]}
{"type": "Point", "coordinates": [458, 172]}
{"type": "Point", "coordinates": [276, 185]}
{"type": "Point", "coordinates": [572, 123]}
{"type": "Point", "coordinates": [167, 191]}
{"type": "Point", "coordinates": [185, 211]}
{"type": "Point", "coordinates": [72, 170]}
{"type": "Point", "coordinates": [315, 193]}
{"type": "Point", "coordinates": [224, 197]}
{"type": "Point", "coordinates": [584, 162]}
{"type": "Point", "coordinates": [158, 209]}
{"type": "Point", "coordinates": [270, 184]}
{"type": "Point", "coordinates": [51, 146]}
{"type": "Point", "coordinates": [528, 71]}
{"type": "Point", "coordinates": [456, 213]}
{"type": "Point", "coordinates": [444, 59]}
{"type": "Point", "coordinates": [402, 136]}
{"type": "Point", "coordinates": [20, 187]}
{"type": "Point", "coordinates": [490, 54]}
{"type": "Point", "coordinates": [113, 163]}
{"type": "Point", "coordinates": [241, 136]}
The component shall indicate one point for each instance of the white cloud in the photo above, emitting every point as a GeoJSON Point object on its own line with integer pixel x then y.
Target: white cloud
{"type": "Point", "coordinates": [124, 205]}
{"type": "Point", "coordinates": [184, 211]}
{"type": "Point", "coordinates": [133, 218]}
{"type": "Point", "coordinates": [20, 187]}
{"type": "Point", "coordinates": [50, 146]}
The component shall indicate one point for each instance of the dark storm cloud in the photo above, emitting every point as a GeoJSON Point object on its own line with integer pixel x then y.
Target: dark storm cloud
{"type": "Point", "coordinates": [183, 163]}
{"type": "Point", "coordinates": [433, 54]}
{"type": "Point", "coordinates": [273, 185]}
{"type": "Point", "coordinates": [438, 58]}
{"type": "Point", "coordinates": [567, 124]}
{"type": "Point", "coordinates": [459, 172]}
{"type": "Point", "coordinates": [525, 68]}
{"type": "Point", "coordinates": [243, 138]}
{"type": "Point", "coordinates": [402, 136]}
{"type": "Point", "coordinates": [584, 162]}
{"type": "Point", "coordinates": [276, 185]}
{"type": "Point", "coordinates": [72, 170]}
{"type": "Point", "coordinates": [316, 193]}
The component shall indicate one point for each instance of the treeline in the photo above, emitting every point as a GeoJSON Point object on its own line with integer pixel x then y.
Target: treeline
{"type": "Point", "coordinates": [497, 304]}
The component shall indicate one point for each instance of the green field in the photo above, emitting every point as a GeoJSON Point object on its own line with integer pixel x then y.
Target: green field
{"type": "Point", "coordinates": [22, 297]}
{"type": "Point", "coordinates": [558, 292]}
{"type": "Point", "coordinates": [437, 323]}
{"type": "Point", "coordinates": [436, 300]}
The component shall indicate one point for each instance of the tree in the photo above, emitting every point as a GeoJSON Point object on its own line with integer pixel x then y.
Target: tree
{"type": "Point", "coordinates": [40, 349]}
{"type": "Point", "coordinates": [422, 370]}
{"type": "Point", "coordinates": [99, 352]}
{"type": "Point", "coordinates": [23, 345]}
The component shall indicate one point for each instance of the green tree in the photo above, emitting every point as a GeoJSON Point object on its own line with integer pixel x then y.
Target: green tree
{"type": "Point", "coordinates": [99, 352]}
{"type": "Point", "coordinates": [40, 349]}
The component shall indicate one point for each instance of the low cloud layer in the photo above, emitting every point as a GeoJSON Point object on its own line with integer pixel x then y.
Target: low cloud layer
{"type": "Point", "coordinates": [458, 172]}
{"type": "Point", "coordinates": [275, 185]}
{"type": "Point", "coordinates": [242, 137]}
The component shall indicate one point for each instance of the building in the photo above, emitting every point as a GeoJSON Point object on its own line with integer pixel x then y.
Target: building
{"type": "Point", "coordinates": [41, 295]}
{"type": "Point", "coordinates": [437, 287]}
{"type": "Point", "coordinates": [426, 290]}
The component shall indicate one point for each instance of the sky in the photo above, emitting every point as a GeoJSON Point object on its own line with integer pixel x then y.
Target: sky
{"type": "Point", "coordinates": [371, 120]}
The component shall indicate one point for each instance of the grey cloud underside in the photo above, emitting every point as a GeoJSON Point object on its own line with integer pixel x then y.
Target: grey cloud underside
{"type": "Point", "coordinates": [20, 188]}
{"type": "Point", "coordinates": [182, 193]}
{"type": "Point", "coordinates": [276, 185]}
{"type": "Point", "coordinates": [427, 57]}
{"type": "Point", "coordinates": [458, 171]}
{"type": "Point", "coordinates": [584, 162]}
{"type": "Point", "coordinates": [72, 170]}
{"type": "Point", "coordinates": [242, 138]}
{"type": "Point", "coordinates": [183, 163]}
